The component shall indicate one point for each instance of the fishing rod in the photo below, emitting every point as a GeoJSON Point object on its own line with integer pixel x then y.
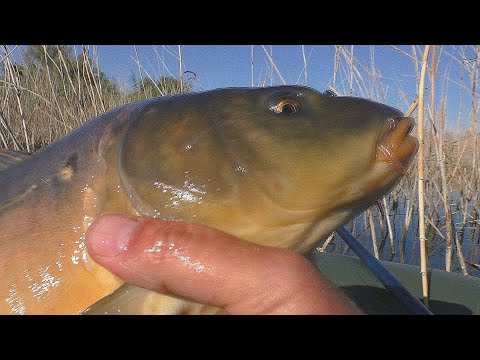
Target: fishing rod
{"type": "Point", "coordinates": [393, 286]}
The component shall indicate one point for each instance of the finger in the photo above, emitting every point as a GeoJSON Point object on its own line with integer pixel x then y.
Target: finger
{"type": "Point", "coordinates": [211, 267]}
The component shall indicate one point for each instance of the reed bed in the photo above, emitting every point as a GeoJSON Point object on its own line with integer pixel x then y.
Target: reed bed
{"type": "Point", "coordinates": [47, 91]}
{"type": "Point", "coordinates": [451, 187]}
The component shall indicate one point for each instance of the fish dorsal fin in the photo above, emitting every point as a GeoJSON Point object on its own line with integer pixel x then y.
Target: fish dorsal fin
{"type": "Point", "coordinates": [9, 158]}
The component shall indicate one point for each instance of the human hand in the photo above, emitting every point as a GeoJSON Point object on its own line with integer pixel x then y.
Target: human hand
{"type": "Point", "coordinates": [211, 267]}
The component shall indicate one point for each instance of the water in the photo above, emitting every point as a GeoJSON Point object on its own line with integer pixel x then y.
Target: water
{"type": "Point", "coordinates": [407, 250]}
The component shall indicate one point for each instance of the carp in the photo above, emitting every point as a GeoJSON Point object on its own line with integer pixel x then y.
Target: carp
{"type": "Point", "coordinates": [279, 166]}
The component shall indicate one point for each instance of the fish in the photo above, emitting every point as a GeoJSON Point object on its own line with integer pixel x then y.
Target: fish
{"type": "Point", "coordinates": [279, 166]}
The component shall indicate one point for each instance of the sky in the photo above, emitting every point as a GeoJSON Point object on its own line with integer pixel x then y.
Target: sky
{"type": "Point", "coordinates": [217, 66]}
{"type": "Point", "coordinates": [230, 65]}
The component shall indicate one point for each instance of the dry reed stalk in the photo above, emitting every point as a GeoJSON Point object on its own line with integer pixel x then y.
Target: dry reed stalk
{"type": "Point", "coordinates": [77, 71]}
{"type": "Point", "coordinates": [403, 52]}
{"type": "Point", "coordinates": [391, 234]}
{"type": "Point", "coordinates": [8, 52]}
{"type": "Point", "coordinates": [396, 203]}
{"type": "Point", "coordinates": [70, 80]}
{"type": "Point", "coordinates": [153, 82]}
{"type": "Point", "coordinates": [305, 72]}
{"type": "Point", "coordinates": [272, 62]}
{"type": "Point", "coordinates": [97, 96]}
{"type": "Point", "coordinates": [93, 80]}
{"type": "Point", "coordinates": [15, 80]}
{"type": "Point", "coordinates": [62, 77]}
{"type": "Point", "coordinates": [460, 156]}
{"type": "Point", "coordinates": [272, 76]}
{"type": "Point", "coordinates": [336, 60]}
{"type": "Point", "coordinates": [438, 138]}
{"type": "Point", "coordinates": [252, 48]}
{"type": "Point", "coordinates": [445, 192]}
{"type": "Point", "coordinates": [421, 182]}
{"type": "Point", "coordinates": [433, 75]}
{"type": "Point", "coordinates": [416, 64]}
{"type": "Point", "coordinates": [434, 227]}
{"type": "Point", "coordinates": [448, 216]}
{"type": "Point", "coordinates": [412, 108]}
{"type": "Point", "coordinates": [4, 123]}
{"type": "Point", "coordinates": [462, 90]}
{"type": "Point", "coordinates": [475, 111]}
{"type": "Point", "coordinates": [4, 139]}
{"type": "Point", "coordinates": [97, 67]}
{"type": "Point", "coordinates": [410, 207]}
{"type": "Point", "coordinates": [354, 74]}
{"type": "Point", "coordinates": [351, 73]}
{"type": "Point", "coordinates": [139, 66]}
{"type": "Point", "coordinates": [383, 233]}
{"type": "Point", "coordinates": [52, 87]}
{"type": "Point", "coordinates": [88, 80]}
{"type": "Point", "coordinates": [180, 67]}
{"type": "Point", "coordinates": [461, 257]}
{"type": "Point", "coordinates": [344, 69]}
{"type": "Point", "coordinates": [374, 234]}
{"type": "Point", "coordinates": [161, 59]}
{"type": "Point", "coordinates": [325, 244]}
{"type": "Point", "coordinates": [373, 72]}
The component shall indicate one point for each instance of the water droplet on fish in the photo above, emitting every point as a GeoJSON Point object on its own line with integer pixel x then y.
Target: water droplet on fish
{"type": "Point", "coordinates": [391, 123]}
{"type": "Point", "coordinates": [188, 147]}
{"type": "Point", "coordinates": [157, 247]}
{"type": "Point", "coordinates": [240, 169]}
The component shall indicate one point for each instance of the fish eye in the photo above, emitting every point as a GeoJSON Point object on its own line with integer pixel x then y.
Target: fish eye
{"type": "Point", "coordinates": [286, 106]}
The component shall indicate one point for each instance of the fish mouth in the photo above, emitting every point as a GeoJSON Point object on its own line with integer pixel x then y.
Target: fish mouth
{"type": "Point", "coordinates": [397, 147]}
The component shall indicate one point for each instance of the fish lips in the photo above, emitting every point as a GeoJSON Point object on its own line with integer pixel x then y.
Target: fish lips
{"type": "Point", "coordinates": [397, 147]}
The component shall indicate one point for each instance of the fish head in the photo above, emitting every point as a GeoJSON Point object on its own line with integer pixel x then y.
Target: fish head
{"type": "Point", "coordinates": [280, 166]}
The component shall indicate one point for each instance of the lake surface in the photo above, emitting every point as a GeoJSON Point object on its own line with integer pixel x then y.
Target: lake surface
{"type": "Point", "coordinates": [407, 250]}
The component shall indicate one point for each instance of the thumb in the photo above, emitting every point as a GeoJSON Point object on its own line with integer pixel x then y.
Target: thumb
{"type": "Point", "coordinates": [211, 267]}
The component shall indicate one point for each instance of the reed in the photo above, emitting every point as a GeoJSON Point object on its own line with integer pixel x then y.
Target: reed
{"type": "Point", "coordinates": [421, 179]}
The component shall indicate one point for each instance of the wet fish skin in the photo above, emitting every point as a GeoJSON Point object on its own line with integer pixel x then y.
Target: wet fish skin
{"type": "Point", "coordinates": [224, 158]}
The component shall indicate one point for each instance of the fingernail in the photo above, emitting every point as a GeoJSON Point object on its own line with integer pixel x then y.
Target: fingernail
{"type": "Point", "coordinates": [109, 236]}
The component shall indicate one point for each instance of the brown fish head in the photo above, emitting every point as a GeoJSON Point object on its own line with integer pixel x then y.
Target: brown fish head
{"type": "Point", "coordinates": [281, 166]}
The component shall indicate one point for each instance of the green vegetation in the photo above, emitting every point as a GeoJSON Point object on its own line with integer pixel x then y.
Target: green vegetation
{"type": "Point", "coordinates": [53, 91]}
{"type": "Point", "coordinates": [165, 85]}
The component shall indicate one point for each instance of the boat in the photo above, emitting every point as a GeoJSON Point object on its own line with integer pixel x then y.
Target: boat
{"type": "Point", "coordinates": [450, 293]}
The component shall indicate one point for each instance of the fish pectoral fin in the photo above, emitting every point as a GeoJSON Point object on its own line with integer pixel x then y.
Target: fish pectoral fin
{"type": "Point", "coordinates": [133, 300]}
{"type": "Point", "coordinates": [9, 158]}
